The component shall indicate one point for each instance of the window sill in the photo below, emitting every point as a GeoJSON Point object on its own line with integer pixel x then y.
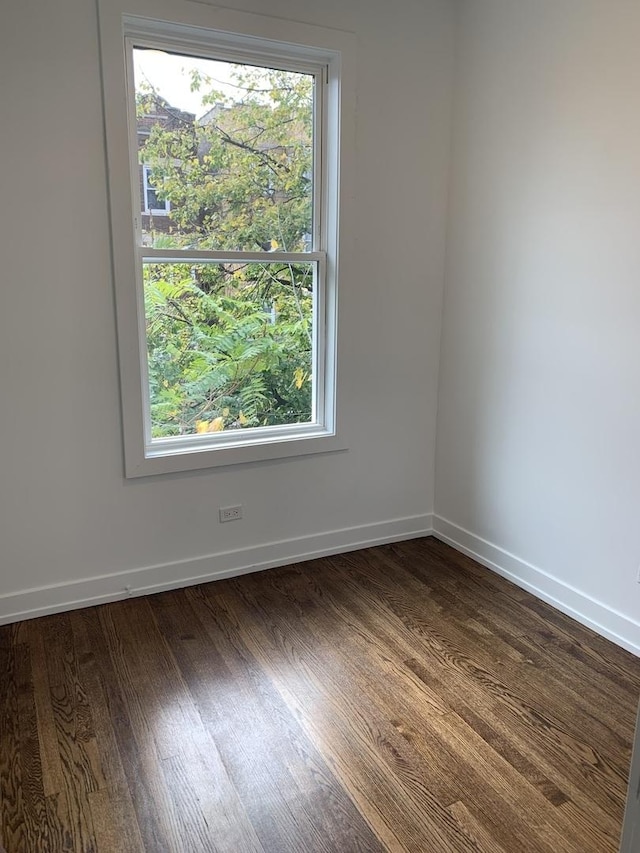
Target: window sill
{"type": "Point", "coordinates": [169, 457]}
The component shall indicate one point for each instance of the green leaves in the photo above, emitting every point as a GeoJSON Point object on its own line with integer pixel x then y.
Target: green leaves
{"type": "Point", "coordinates": [240, 174]}
{"type": "Point", "coordinates": [229, 344]}
{"type": "Point", "coordinates": [227, 337]}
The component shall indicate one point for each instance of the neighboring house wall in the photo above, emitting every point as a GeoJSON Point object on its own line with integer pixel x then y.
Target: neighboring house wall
{"type": "Point", "coordinates": [169, 118]}
{"type": "Point", "coordinates": [538, 454]}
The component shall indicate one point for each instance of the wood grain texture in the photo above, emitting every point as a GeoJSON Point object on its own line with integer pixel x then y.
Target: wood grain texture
{"type": "Point", "coordinates": [400, 698]}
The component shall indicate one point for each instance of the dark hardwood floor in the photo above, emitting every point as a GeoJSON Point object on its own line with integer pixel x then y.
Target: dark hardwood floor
{"type": "Point", "coordinates": [400, 698]}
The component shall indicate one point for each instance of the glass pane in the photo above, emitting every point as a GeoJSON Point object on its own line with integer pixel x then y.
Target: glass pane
{"type": "Point", "coordinates": [152, 197]}
{"type": "Point", "coordinates": [229, 345]}
{"type": "Point", "coordinates": [231, 146]}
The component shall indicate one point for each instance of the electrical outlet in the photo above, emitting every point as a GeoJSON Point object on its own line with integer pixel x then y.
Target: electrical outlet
{"type": "Point", "coordinates": [230, 513]}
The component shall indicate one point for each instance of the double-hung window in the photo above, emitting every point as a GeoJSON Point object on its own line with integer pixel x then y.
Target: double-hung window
{"type": "Point", "coordinates": [225, 163]}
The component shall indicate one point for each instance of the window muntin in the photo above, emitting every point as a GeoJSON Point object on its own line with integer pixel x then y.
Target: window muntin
{"type": "Point", "coordinates": [232, 280]}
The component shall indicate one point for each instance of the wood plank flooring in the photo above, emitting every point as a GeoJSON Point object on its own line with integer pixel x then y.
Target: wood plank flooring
{"type": "Point", "coordinates": [400, 698]}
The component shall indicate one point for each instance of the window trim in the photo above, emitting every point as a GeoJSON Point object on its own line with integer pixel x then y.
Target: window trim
{"type": "Point", "coordinates": [198, 27]}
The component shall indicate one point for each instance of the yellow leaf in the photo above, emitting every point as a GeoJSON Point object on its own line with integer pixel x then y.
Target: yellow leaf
{"type": "Point", "coordinates": [225, 411]}
{"type": "Point", "coordinates": [202, 427]}
{"type": "Point", "coordinates": [216, 425]}
{"type": "Point", "coordinates": [298, 377]}
{"type": "Point", "coordinates": [243, 419]}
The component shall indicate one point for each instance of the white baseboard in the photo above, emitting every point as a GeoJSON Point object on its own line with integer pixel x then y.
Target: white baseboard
{"type": "Point", "coordinates": [29, 603]}
{"type": "Point", "coordinates": [40, 601]}
{"type": "Point", "coordinates": [596, 615]}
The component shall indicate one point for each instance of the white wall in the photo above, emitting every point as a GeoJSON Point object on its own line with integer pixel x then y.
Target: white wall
{"type": "Point", "coordinates": [538, 450]}
{"type": "Point", "coordinates": [538, 456]}
{"type": "Point", "coordinates": [67, 515]}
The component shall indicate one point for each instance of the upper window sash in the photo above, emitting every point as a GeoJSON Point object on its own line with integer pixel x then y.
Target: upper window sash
{"type": "Point", "coordinates": [217, 47]}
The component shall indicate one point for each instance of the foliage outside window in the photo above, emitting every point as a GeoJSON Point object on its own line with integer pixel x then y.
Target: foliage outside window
{"type": "Point", "coordinates": [229, 296]}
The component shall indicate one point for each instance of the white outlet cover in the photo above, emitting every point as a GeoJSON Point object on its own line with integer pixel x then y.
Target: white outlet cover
{"type": "Point", "coordinates": [230, 513]}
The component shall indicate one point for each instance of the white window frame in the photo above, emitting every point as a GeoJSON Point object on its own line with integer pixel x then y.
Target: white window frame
{"type": "Point", "coordinates": [203, 30]}
{"type": "Point", "coordinates": [146, 188]}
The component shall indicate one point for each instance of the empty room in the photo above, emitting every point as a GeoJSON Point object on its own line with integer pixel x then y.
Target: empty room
{"type": "Point", "coordinates": [320, 481]}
